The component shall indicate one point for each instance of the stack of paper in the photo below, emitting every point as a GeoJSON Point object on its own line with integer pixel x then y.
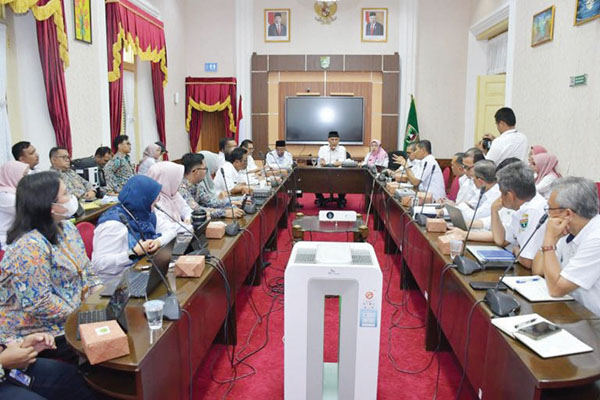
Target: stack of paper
{"type": "Point", "coordinates": [558, 344]}
{"type": "Point", "coordinates": [533, 288]}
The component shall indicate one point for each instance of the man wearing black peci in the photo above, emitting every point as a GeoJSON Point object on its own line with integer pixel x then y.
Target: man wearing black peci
{"type": "Point", "coordinates": [331, 155]}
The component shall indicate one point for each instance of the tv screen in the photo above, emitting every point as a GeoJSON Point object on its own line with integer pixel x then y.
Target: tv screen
{"type": "Point", "coordinates": [309, 119]}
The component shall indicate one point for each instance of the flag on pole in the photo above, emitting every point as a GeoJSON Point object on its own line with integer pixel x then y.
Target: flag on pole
{"type": "Point", "coordinates": [239, 118]}
{"type": "Point", "coordinates": [411, 134]}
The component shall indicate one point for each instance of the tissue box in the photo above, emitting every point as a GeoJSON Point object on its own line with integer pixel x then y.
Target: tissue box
{"type": "Point", "coordinates": [436, 225]}
{"type": "Point", "coordinates": [189, 266]}
{"type": "Point", "coordinates": [103, 341]}
{"type": "Point", "coordinates": [215, 230]}
{"type": "Point", "coordinates": [443, 243]}
{"type": "Point", "coordinates": [407, 201]}
{"type": "Point", "coordinates": [421, 196]}
{"type": "Point", "coordinates": [392, 186]}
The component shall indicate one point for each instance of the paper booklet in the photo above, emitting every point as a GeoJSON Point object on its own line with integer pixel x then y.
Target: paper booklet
{"type": "Point", "coordinates": [559, 344]}
{"type": "Point", "coordinates": [533, 288]}
{"type": "Point", "coordinates": [491, 256]}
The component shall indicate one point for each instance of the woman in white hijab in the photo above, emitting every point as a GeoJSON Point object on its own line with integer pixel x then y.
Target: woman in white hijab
{"type": "Point", "coordinates": [151, 155]}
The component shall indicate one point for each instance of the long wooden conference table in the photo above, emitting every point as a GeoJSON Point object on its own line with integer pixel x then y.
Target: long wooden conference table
{"type": "Point", "coordinates": [158, 366]}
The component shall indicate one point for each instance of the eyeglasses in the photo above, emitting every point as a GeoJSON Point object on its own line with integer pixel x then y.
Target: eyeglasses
{"type": "Point", "coordinates": [201, 169]}
{"type": "Point", "coordinates": [65, 157]}
{"type": "Point", "coordinates": [468, 167]}
{"type": "Point", "coordinates": [548, 208]}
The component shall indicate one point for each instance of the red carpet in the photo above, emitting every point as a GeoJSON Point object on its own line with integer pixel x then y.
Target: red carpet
{"type": "Point", "coordinates": [263, 370]}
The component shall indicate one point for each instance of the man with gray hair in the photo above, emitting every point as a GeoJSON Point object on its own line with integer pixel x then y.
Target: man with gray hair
{"type": "Point", "coordinates": [569, 254]}
{"type": "Point", "coordinates": [517, 192]}
{"type": "Point", "coordinates": [484, 176]}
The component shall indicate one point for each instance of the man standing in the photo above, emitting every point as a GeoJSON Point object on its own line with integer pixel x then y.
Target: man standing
{"type": "Point", "coordinates": [429, 175]}
{"type": "Point", "coordinates": [511, 142]}
{"type": "Point", "coordinates": [568, 258]}
{"type": "Point", "coordinates": [119, 169]}
{"type": "Point", "coordinates": [236, 161]}
{"type": "Point", "coordinates": [332, 154]}
{"type": "Point", "coordinates": [26, 152]}
{"type": "Point", "coordinates": [279, 158]}
{"type": "Point", "coordinates": [76, 185]}
{"type": "Point", "coordinates": [277, 28]}
{"type": "Point", "coordinates": [374, 28]}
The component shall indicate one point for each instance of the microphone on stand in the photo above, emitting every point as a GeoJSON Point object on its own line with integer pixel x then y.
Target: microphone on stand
{"type": "Point", "coordinates": [465, 265]}
{"type": "Point", "coordinates": [233, 228]}
{"type": "Point", "coordinates": [261, 154]}
{"type": "Point", "coordinates": [171, 309]}
{"type": "Point", "coordinates": [248, 205]}
{"type": "Point", "coordinates": [503, 304]}
{"type": "Point", "coordinates": [203, 250]}
{"type": "Point", "coordinates": [421, 218]}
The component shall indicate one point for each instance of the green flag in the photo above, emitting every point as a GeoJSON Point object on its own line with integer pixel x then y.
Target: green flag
{"type": "Point", "coordinates": [412, 126]}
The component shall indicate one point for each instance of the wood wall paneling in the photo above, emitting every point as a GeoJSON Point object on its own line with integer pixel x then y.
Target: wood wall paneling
{"type": "Point", "coordinates": [391, 88]}
{"type": "Point", "coordinates": [336, 63]}
{"type": "Point", "coordinates": [363, 62]}
{"type": "Point", "coordinates": [259, 63]}
{"type": "Point", "coordinates": [287, 62]}
{"type": "Point", "coordinates": [260, 93]}
{"type": "Point", "coordinates": [389, 132]}
{"type": "Point", "coordinates": [260, 124]}
{"type": "Point", "coordinates": [289, 89]}
{"type": "Point", "coordinates": [391, 62]}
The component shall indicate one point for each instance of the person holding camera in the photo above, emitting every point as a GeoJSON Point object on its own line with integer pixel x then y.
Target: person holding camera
{"type": "Point", "coordinates": [510, 143]}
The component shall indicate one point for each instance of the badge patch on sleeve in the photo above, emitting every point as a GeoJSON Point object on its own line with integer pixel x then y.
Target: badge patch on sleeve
{"type": "Point", "coordinates": [524, 221]}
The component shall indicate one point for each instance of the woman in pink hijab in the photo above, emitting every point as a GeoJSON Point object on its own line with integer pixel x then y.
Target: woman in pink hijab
{"type": "Point", "coordinates": [545, 166]}
{"type": "Point", "coordinates": [377, 156]}
{"type": "Point", "coordinates": [537, 149]}
{"type": "Point", "coordinates": [10, 175]}
{"type": "Point", "coordinates": [170, 205]}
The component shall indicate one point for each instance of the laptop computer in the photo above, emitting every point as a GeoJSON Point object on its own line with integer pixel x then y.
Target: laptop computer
{"type": "Point", "coordinates": [457, 218]}
{"type": "Point", "coordinates": [115, 310]}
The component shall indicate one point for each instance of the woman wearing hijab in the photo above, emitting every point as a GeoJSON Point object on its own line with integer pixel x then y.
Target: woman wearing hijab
{"type": "Point", "coordinates": [377, 156]}
{"type": "Point", "coordinates": [152, 153]}
{"type": "Point", "coordinates": [116, 245]}
{"type": "Point", "coordinates": [172, 208]}
{"type": "Point", "coordinates": [537, 149]}
{"type": "Point", "coordinates": [212, 162]}
{"type": "Point", "coordinates": [544, 164]}
{"type": "Point", "coordinates": [10, 175]}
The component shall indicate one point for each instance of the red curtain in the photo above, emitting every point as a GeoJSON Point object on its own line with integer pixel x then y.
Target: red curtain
{"type": "Point", "coordinates": [54, 77]}
{"type": "Point", "coordinates": [211, 95]}
{"type": "Point", "coordinates": [128, 25]}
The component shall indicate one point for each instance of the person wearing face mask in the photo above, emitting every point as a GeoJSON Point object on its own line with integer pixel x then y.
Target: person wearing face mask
{"type": "Point", "coordinates": [115, 246]}
{"type": "Point", "coordinates": [45, 273]}
{"type": "Point", "coordinates": [568, 258]}
{"type": "Point", "coordinates": [152, 154]}
{"type": "Point", "coordinates": [10, 175]}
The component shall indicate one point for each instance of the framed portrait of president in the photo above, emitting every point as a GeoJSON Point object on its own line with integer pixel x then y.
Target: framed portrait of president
{"type": "Point", "coordinates": [277, 25]}
{"type": "Point", "coordinates": [373, 23]}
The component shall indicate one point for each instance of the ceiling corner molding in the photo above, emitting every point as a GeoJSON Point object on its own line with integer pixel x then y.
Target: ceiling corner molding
{"type": "Point", "coordinates": [146, 6]}
{"type": "Point", "coordinates": [495, 18]}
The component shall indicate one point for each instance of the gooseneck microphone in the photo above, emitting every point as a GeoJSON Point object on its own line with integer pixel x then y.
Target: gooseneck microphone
{"type": "Point", "coordinates": [202, 251]}
{"type": "Point", "coordinates": [171, 309]}
{"type": "Point", "coordinates": [421, 218]}
{"type": "Point", "coordinates": [233, 228]}
{"type": "Point", "coordinates": [247, 204]}
{"type": "Point", "coordinates": [465, 265]}
{"type": "Point", "coordinates": [503, 304]}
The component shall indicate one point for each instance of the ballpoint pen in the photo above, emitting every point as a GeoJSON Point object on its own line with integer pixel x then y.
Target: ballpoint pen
{"type": "Point", "coordinates": [524, 324]}
{"type": "Point", "coordinates": [528, 280]}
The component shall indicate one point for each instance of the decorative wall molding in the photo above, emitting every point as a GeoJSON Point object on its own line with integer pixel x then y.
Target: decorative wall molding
{"type": "Point", "coordinates": [408, 23]}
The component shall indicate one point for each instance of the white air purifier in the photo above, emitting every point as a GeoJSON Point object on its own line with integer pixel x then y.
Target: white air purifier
{"type": "Point", "coordinates": [316, 270]}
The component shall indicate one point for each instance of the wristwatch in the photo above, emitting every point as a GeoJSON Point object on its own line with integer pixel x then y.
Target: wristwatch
{"type": "Point", "coordinates": [548, 248]}
{"type": "Point", "coordinates": [132, 255]}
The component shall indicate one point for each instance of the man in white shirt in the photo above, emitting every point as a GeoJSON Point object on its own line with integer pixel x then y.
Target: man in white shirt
{"type": "Point", "coordinates": [430, 175]}
{"type": "Point", "coordinates": [510, 143]}
{"type": "Point", "coordinates": [484, 176]}
{"type": "Point", "coordinates": [225, 147]}
{"type": "Point", "coordinates": [467, 190]}
{"type": "Point", "coordinates": [236, 161]}
{"type": "Point", "coordinates": [517, 192]}
{"type": "Point", "coordinates": [27, 153]}
{"type": "Point", "coordinates": [251, 168]}
{"type": "Point", "coordinates": [331, 154]}
{"type": "Point", "coordinates": [568, 258]}
{"type": "Point", "coordinates": [279, 159]}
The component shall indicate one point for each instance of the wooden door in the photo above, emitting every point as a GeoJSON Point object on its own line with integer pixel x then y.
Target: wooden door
{"type": "Point", "coordinates": [212, 129]}
{"type": "Point", "coordinates": [490, 97]}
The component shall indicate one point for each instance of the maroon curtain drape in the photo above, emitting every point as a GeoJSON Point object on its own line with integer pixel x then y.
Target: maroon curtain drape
{"type": "Point", "coordinates": [210, 95]}
{"type": "Point", "coordinates": [123, 20]}
{"type": "Point", "coordinates": [54, 78]}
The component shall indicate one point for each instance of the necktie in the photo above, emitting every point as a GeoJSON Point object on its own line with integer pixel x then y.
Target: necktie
{"type": "Point", "coordinates": [372, 28]}
{"type": "Point", "coordinates": [278, 29]}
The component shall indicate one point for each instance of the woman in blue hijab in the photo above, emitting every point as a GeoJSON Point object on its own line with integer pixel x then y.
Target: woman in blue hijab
{"type": "Point", "coordinates": [116, 244]}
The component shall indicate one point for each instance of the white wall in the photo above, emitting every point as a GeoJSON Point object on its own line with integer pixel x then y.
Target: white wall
{"type": "Point", "coordinates": [147, 132]}
{"type": "Point", "coordinates": [565, 120]}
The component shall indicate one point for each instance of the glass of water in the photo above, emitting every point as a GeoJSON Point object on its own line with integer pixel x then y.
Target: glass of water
{"type": "Point", "coordinates": [455, 248]}
{"type": "Point", "coordinates": [154, 313]}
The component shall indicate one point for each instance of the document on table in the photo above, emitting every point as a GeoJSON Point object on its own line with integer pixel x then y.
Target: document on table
{"type": "Point", "coordinates": [533, 288]}
{"type": "Point", "coordinates": [558, 344]}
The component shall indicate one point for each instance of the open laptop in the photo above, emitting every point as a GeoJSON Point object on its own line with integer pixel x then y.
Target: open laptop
{"type": "Point", "coordinates": [115, 310]}
{"type": "Point", "coordinates": [457, 218]}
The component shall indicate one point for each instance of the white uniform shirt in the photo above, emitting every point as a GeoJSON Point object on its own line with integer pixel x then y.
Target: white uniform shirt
{"type": "Point", "coordinates": [511, 143]}
{"type": "Point", "coordinates": [331, 156]}
{"type": "Point", "coordinates": [221, 156]}
{"type": "Point", "coordinates": [523, 223]}
{"type": "Point", "coordinates": [579, 264]}
{"type": "Point", "coordinates": [7, 215]}
{"type": "Point", "coordinates": [544, 187]}
{"type": "Point", "coordinates": [466, 190]}
{"type": "Point", "coordinates": [251, 166]}
{"type": "Point", "coordinates": [437, 188]}
{"type": "Point", "coordinates": [284, 162]}
{"type": "Point", "coordinates": [231, 174]}
{"type": "Point", "coordinates": [485, 205]}
{"type": "Point", "coordinates": [505, 217]}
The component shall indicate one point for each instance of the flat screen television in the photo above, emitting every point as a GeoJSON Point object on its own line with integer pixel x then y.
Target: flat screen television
{"type": "Point", "coordinates": [309, 119]}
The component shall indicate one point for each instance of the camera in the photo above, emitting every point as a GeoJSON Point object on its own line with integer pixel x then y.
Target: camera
{"type": "Point", "coordinates": [486, 143]}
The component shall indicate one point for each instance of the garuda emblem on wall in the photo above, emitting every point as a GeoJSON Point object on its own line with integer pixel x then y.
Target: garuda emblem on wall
{"type": "Point", "coordinates": [325, 11]}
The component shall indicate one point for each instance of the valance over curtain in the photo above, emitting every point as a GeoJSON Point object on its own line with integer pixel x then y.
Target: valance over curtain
{"type": "Point", "coordinates": [54, 56]}
{"type": "Point", "coordinates": [209, 94]}
{"type": "Point", "coordinates": [128, 25]}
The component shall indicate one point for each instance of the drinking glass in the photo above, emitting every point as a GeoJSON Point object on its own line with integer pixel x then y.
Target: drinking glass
{"type": "Point", "coordinates": [154, 313]}
{"type": "Point", "coordinates": [455, 248]}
